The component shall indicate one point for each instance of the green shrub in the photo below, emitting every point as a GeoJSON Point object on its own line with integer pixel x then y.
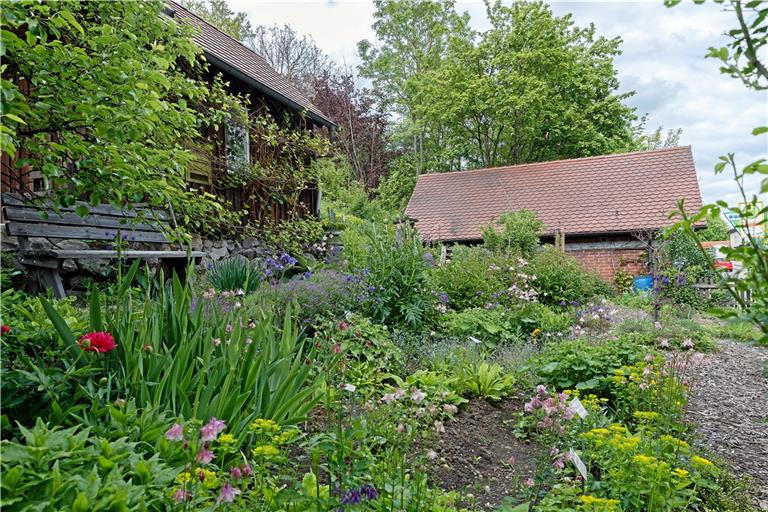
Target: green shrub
{"type": "Point", "coordinates": [475, 277]}
{"type": "Point", "coordinates": [73, 470]}
{"type": "Point", "coordinates": [395, 270]}
{"type": "Point", "coordinates": [582, 364]}
{"type": "Point", "coordinates": [735, 330]}
{"type": "Point", "coordinates": [520, 232]}
{"type": "Point", "coordinates": [295, 235]}
{"type": "Point", "coordinates": [233, 274]}
{"type": "Point", "coordinates": [623, 281]}
{"type": "Point", "coordinates": [560, 278]}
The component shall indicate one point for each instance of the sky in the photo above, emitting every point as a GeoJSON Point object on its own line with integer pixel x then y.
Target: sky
{"type": "Point", "coordinates": [663, 61]}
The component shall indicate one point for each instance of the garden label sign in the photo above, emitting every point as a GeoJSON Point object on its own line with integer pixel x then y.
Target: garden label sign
{"type": "Point", "coordinates": [578, 408]}
{"type": "Point", "coordinates": [580, 467]}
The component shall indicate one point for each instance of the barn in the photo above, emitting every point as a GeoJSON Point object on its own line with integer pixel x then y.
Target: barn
{"type": "Point", "coordinates": [605, 207]}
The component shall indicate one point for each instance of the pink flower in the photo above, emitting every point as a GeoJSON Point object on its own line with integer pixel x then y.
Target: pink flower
{"type": "Point", "coordinates": [181, 495]}
{"type": "Point", "coordinates": [388, 398]}
{"type": "Point", "coordinates": [687, 343]}
{"type": "Point", "coordinates": [439, 427]}
{"type": "Point", "coordinates": [558, 464]}
{"type": "Point", "coordinates": [236, 473]}
{"type": "Point", "coordinates": [101, 342]}
{"type": "Point", "coordinates": [175, 433]}
{"type": "Point", "coordinates": [418, 395]}
{"type": "Point", "coordinates": [227, 493]}
{"type": "Point", "coordinates": [211, 430]}
{"type": "Point", "coordinates": [664, 344]}
{"type": "Point", "coordinates": [541, 389]}
{"type": "Point", "coordinates": [216, 342]}
{"type": "Point", "coordinates": [649, 358]}
{"type": "Point", "coordinates": [246, 469]}
{"type": "Point", "coordinates": [204, 456]}
{"type": "Point", "coordinates": [400, 428]}
{"type": "Point", "coordinates": [529, 482]}
{"type": "Point", "coordinates": [399, 393]}
{"type": "Point", "coordinates": [450, 408]}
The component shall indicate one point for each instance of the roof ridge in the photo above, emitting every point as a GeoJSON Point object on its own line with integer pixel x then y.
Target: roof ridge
{"type": "Point", "coordinates": [247, 48]}
{"type": "Point", "coordinates": [531, 164]}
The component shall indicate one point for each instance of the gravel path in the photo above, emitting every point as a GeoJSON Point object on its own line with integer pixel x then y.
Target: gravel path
{"type": "Point", "coordinates": [728, 404]}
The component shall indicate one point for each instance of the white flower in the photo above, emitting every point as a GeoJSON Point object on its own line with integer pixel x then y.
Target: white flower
{"type": "Point", "coordinates": [439, 427]}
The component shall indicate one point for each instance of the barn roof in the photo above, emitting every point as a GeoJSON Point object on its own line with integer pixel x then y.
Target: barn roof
{"type": "Point", "coordinates": [228, 54]}
{"type": "Point", "coordinates": [620, 193]}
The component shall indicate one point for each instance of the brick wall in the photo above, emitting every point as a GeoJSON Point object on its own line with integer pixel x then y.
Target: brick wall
{"type": "Point", "coordinates": [607, 261]}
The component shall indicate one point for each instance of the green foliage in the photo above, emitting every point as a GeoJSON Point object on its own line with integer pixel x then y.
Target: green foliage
{"type": "Point", "coordinates": [115, 91]}
{"type": "Point", "coordinates": [71, 469]}
{"type": "Point", "coordinates": [234, 274]}
{"type": "Point", "coordinates": [561, 278]}
{"type": "Point", "coordinates": [623, 281]}
{"type": "Point", "coordinates": [670, 333]}
{"type": "Point", "coordinates": [735, 330]}
{"type": "Point", "coordinates": [197, 360]}
{"type": "Point", "coordinates": [581, 364]}
{"type": "Point", "coordinates": [485, 380]}
{"type": "Point", "coordinates": [295, 235]}
{"type": "Point", "coordinates": [396, 270]}
{"type": "Point", "coordinates": [475, 277]}
{"type": "Point", "coordinates": [519, 234]}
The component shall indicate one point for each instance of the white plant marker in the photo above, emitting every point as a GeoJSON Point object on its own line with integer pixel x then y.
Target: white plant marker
{"type": "Point", "coordinates": [578, 408]}
{"type": "Point", "coordinates": [580, 467]}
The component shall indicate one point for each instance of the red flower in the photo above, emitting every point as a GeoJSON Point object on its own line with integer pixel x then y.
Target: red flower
{"type": "Point", "coordinates": [343, 326]}
{"type": "Point", "coordinates": [5, 329]}
{"type": "Point", "coordinates": [97, 342]}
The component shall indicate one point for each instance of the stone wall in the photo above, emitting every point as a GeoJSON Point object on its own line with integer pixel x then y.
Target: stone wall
{"type": "Point", "coordinates": [76, 272]}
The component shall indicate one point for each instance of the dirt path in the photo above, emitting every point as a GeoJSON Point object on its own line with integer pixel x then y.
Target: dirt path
{"type": "Point", "coordinates": [728, 405]}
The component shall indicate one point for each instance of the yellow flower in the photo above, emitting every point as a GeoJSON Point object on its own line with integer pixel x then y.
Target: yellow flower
{"type": "Point", "coordinates": [701, 463]}
{"type": "Point", "coordinates": [226, 438]}
{"type": "Point", "coordinates": [673, 441]}
{"type": "Point", "coordinates": [262, 426]}
{"type": "Point", "coordinates": [601, 502]}
{"type": "Point", "coordinates": [644, 459]}
{"type": "Point", "coordinates": [681, 473]}
{"type": "Point", "coordinates": [265, 450]}
{"type": "Point", "coordinates": [183, 477]}
{"type": "Point", "coordinates": [210, 480]}
{"type": "Point", "coordinates": [536, 332]}
{"type": "Point", "coordinates": [646, 415]}
{"type": "Point", "coordinates": [285, 437]}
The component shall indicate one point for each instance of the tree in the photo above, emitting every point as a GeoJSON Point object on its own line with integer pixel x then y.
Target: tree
{"type": "Point", "coordinates": [658, 140]}
{"type": "Point", "coordinates": [533, 87]}
{"type": "Point", "coordinates": [295, 56]}
{"type": "Point", "coordinates": [100, 97]}
{"type": "Point", "coordinates": [218, 13]}
{"type": "Point", "coordinates": [362, 126]}
{"type": "Point", "coordinates": [752, 255]}
{"type": "Point", "coordinates": [412, 39]}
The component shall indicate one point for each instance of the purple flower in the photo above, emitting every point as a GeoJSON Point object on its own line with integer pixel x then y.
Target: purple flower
{"type": "Point", "coordinates": [211, 430]}
{"type": "Point", "coordinates": [236, 473]}
{"type": "Point", "coordinates": [351, 497]}
{"type": "Point", "coordinates": [227, 493]}
{"type": "Point", "coordinates": [288, 260]}
{"type": "Point", "coordinates": [369, 491]}
{"type": "Point", "coordinates": [175, 433]}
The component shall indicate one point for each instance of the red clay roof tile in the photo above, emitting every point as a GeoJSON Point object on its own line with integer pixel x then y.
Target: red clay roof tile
{"type": "Point", "coordinates": [605, 194]}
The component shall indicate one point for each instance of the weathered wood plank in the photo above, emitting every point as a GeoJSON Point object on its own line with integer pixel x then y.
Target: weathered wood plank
{"type": "Point", "coordinates": [32, 215]}
{"type": "Point", "coordinates": [102, 209]}
{"type": "Point", "coordinates": [83, 232]}
{"type": "Point", "coordinates": [85, 253]}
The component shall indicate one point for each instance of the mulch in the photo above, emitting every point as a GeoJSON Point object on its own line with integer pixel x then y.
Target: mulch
{"type": "Point", "coordinates": [479, 454]}
{"type": "Point", "coordinates": [728, 407]}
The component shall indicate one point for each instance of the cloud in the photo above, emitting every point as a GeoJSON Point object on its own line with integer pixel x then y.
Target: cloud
{"type": "Point", "coordinates": [662, 60]}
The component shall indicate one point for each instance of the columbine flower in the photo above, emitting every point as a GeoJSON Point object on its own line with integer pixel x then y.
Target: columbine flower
{"type": "Point", "coordinates": [227, 493]}
{"type": "Point", "coordinates": [351, 497]}
{"type": "Point", "coordinates": [369, 491]}
{"type": "Point", "coordinates": [388, 398]}
{"type": "Point", "coordinates": [664, 344]}
{"type": "Point", "coordinates": [204, 456]}
{"type": "Point", "coordinates": [5, 329]}
{"type": "Point", "coordinates": [439, 427]}
{"type": "Point", "coordinates": [399, 393]}
{"type": "Point", "coordinates": [211, 430]}
{"type": "Point", "coordinates": [181, 495]}
{"type": "Point", "coordinates": [101, 342]}
{"type": "Point", "coordinates": [400, 428]}
{"type": "Point", "coordinates": [529, 482]}
{"type": "Point", "coordinates": [236, 473]}
{"type": "Point", "coordinates": [246, 469]}
{"type": "Point", "coordinates": [450, 408]}
{"type": "Point", "coordinates": [216, 342]}
{"type": "Point", "coordinates": [418, 395]}
{"type": "Point", "coordinates": [175, 433]}
{"type": "Point", "coordinates": [687, 343]}
{"type": "Point", "coordinates": [558, 464]}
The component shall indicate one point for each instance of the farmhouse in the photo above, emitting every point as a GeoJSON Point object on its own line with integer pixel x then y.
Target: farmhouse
{"type": "Point", "coordinates": [604, 206]}
{"type": "Point", "coordinates": [233, 146]}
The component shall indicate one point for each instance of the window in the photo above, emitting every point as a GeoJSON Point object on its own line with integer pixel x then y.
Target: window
{"type": "Point", "coordinates": [237, 144]}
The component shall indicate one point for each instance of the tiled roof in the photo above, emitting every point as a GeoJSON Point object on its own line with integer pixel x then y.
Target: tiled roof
{"type": "Point", "coordinates": [223, 51]}
{"type": "Point", "coordinates": [620, 193]}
